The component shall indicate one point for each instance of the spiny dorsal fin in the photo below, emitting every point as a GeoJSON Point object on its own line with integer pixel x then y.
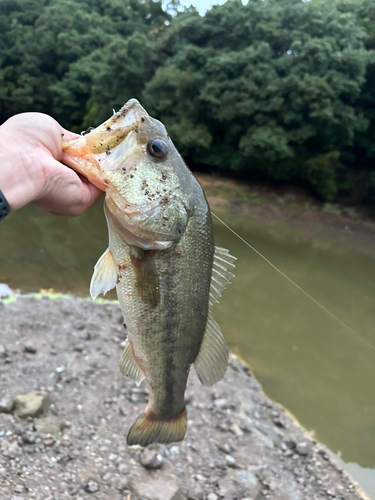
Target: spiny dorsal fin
{"type": "Point", "coordinates": [105, 275]}
{"type": "Point", "coordinates": [128, 365]}
{"type": "Point", "coordinates": [212, 360]}
{"type": "Point", "coordinates": [221, 273]}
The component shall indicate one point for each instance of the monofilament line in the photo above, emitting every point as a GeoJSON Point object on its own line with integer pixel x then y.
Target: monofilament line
{"type": "Point", "coordinates": [295, 284]}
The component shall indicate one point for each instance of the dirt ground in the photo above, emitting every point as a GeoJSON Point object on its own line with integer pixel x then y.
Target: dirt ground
{"type": "Point", "coordinates": [239, 444]}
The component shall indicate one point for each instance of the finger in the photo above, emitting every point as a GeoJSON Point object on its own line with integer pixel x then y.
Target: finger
{"type": "Point", "coordinates": [65, 192]}
{"type": "Point", "coordinates": [67, 135]}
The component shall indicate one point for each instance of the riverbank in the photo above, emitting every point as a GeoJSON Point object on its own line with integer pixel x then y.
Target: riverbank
{"type": "Point", "coordinates": [239, 444]}
{"type": "Point", "coordinates": [289, 205]}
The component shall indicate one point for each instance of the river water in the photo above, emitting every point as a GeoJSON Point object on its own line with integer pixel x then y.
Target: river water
{"type": "Point", "coordinates": [319, 370]}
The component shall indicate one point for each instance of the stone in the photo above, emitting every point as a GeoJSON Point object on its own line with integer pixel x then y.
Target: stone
{"type": "Point", "coordinates": [107, 477]}
{"type": "Point", "coordinates": [92, 487]}
{"type": "Point", "coordinates": [230, 461]}
{"type": "Point", "coordinates": [120, 483]}
{"type": "Point", "coordinates": [5, 291]}
{"type": "Point", "coordinates": [50, 424]}
{"type": "Point", "coordinates": [3, 351]}
{"type": "Point", "coordinates": [227, 489]}
{"type": "Point", "coordinates": [195, 491]}
{"type": "Point", "coordinates": [123, 468]}
{"type": "Point", "coordinates": [151, 459]}
{"type": "Point", "coordinates": [19, 488]}
{"type": "Point", "coordinates": [6, 404]}
{"type": "Point", "coordinates": [302, 449]}
{"type": "Point", "coordinates": [236, 430]}
{"type": "Point", "coordinates": [30, 348]}
{"type": "Point", "coordinates": [31, 405]}
{"type": "Point", "coordinates": [212, 496]}
{"type": "Point", "coordinates": [166, 488]}
{"type": "Point", "coordinates": [29, 437]}
{"type": "Point", "coordinates": [11, 450]}
{"type": "Point", "coordinates": [246, 481]}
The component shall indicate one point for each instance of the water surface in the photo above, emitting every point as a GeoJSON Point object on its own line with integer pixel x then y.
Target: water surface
{"type": "Point", "coordinates": [307, 361]}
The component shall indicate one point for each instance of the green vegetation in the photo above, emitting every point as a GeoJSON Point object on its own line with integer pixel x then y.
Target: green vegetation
{"type": "Point", "coordinates": [276, 89]}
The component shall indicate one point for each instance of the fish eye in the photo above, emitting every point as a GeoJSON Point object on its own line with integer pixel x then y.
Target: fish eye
{"type": "Point", "coordinates": [157, 148]}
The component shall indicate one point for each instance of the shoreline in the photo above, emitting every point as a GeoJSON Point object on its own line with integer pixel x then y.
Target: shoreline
{"type": "Point", "coordinates": [290, 205]}
{"type": "Point", "coordinates": [239, 444]}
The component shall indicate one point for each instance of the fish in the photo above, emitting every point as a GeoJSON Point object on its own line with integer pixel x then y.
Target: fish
{"type": "Point", "coordinates": [162, 260]}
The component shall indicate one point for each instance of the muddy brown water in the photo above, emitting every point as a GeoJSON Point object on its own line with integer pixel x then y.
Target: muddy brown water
{"type": "Point", "coordinates": [321, 372]}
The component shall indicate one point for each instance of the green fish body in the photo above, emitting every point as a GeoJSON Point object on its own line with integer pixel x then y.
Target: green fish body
{"type": "Point", "coordinates": [162, 260]}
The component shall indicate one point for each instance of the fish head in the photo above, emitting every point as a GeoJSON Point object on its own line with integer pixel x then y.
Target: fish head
{"type": "Point", "coordinates": [149, 189]}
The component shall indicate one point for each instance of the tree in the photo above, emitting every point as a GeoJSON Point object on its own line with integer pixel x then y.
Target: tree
{"type": "Point", "coordinates": [74, 59]}
{"type": "Point", "coordinates": [269, 86]}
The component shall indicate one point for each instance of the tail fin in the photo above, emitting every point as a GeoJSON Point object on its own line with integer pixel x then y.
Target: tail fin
{"type": "Point", "coordinates": [147, 429]}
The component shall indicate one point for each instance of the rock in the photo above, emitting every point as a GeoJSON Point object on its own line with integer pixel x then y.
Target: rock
{"type": "Point", "coordinates": [50, 424]}
{"type": "Point", "coordinates": [123, 468]}
{"type": "Point", "coordinates": [227, 489]}
{"type": "Point", "coordinates": [302, 449]}
{"type": "Point", "coordinates": [31, 405]}
{"type": "Point", "coordinates": [6, 404]}
{"type": "Point", "coordinates": [19, 488]}
{"type": "Point", "coordinates": [49, 442]}
{"type": "Point", "coordinates": [120, 483]}
{"type": "Point", "coordinates": [11, 450]}
{"type": "Point", "coordinates": [195, 491]}
{"type": "Point", "coordinates": [3, 351]}
{"type": "Point", "coordinates": [5, 291]}
{"type": "Point", "coordinates": [107, 477]}
{"type": "Point", "coordinates": [166, 488]}
{"type": "Point", "coordinates": [236, 430]}
{"type": "Point", "coordinates": [221, 403]}
{"type": "Point", "coordinates": [151, 459]}
{"type": "Point", "coordinates": [30, 348]}
{"type": "Point", "coordinates": [230, 461]}
{"type": "Point", "coordinates": [212, 496]}
{"type": "Point", "coordinates": [91, 487]}
{"type": "Point", "coordinates": [29, 437]}
{"type": "Point", "coordinates": [246, 481]}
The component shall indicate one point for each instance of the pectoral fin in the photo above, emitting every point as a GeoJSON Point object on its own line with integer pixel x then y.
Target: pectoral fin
{"type": "Point", "coordinates": [105, 275]}
{"type": "Point", "coordinates": [212, 360]}
{"type": "Point", "coordinates": [128, 365]}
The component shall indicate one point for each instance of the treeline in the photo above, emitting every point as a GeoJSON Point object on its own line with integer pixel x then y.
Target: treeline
{"type": "Point", "coordinates": [279, 90]}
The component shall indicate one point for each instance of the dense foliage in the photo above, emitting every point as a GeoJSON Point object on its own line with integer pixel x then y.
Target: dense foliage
{"type": "Point", "coordinates": [276, 89]}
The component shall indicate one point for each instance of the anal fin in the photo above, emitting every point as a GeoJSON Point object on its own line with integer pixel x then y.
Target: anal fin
{"type": "Point", "coordinates": [105, 275]}
{"type": "Point", "coordinates": [128, 365]}
{"type": "Point", "coordinates": [212, 360]}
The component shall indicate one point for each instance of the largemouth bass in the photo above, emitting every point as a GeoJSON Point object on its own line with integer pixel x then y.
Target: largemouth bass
{"type": "Point", "coordinates": [162, 260]}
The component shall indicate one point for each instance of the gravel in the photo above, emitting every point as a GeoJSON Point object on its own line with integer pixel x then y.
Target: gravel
{"type": "Point", "coordinates": [72, 445]}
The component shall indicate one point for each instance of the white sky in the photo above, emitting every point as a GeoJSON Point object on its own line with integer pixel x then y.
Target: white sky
{"type": "Point", "coordinates": [202, 5]}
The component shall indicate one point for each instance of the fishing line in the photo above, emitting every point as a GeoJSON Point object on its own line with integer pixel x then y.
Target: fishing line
{"type": "Point", "coordinates": [295, 284]}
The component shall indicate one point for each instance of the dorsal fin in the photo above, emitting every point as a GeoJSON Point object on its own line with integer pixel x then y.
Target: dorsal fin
{"type": "Point", "coordinates": [221, 273]}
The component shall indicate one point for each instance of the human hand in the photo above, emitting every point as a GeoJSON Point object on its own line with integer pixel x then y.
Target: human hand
{"type": "Point", "coordinates": [30, 168]}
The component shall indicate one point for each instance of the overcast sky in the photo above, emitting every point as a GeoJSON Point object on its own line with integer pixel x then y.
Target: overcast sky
{"type": "Point", "coordinates": [202, 5]}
